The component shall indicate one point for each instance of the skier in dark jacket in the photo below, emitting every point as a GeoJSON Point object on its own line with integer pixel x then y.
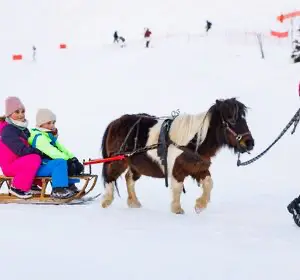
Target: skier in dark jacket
{"type": "Point", "coordinates": [116, 37]}
{"type": "Point", "coordinates": [147, 36]}
{"type": "Point", "coordinates": [208, 25]}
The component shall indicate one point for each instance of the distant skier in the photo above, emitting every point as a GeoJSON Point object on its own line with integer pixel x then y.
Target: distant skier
{"type": "Point", "coordinates": [122, 44]}
{"type": "Point", "coordinates": [33, 52]}
{"type": "Point", "coordinates": [208, 25]}
{"type": "Point", "coordinates": [147, 36]}
{"type": "Point", "coordinates": [116, 37]}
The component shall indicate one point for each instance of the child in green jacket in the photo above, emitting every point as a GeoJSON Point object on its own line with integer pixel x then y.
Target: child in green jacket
{"type": "Point", "coordinates": [57, 161]}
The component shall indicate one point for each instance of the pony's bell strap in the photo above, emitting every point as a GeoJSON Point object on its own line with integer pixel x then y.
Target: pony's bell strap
{"type": "Point", "coordinates": [102, 160]}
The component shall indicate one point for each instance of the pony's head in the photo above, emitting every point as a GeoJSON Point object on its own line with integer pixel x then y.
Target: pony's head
{"type": "Point", "coordinates": [231, 116]}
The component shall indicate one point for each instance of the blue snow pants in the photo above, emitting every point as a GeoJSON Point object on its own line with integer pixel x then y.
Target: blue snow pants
{"type": "Point", "coordinates": [58, 170]}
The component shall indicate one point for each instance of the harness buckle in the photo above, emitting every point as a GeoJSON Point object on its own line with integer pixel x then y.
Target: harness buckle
{"type": "Point", "coordinates": [239, 137]}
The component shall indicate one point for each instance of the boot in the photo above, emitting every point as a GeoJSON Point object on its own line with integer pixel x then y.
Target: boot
{"type": "Point", "coordinates": [294, 206]}
{"type": "Point", "coordinates": [294, 209]}
{"type": "Point", "coordinates": [61, 193]}
{"type": "Point", "coordinates": [73, 188]}
{"type": "Point", "coordinates": [20, 194]}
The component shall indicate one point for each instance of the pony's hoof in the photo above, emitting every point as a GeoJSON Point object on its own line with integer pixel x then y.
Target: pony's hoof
{"type": "Point", "coordinates": [177, 210]}
{"type": "Point", "coordinates": [198, 210]}
{"type": "Point", "coordinates": [105, 203]}
{"type": "Point", "coordinates": [201, 204]}
{"type": "Point", "coordinates": [134, 204]}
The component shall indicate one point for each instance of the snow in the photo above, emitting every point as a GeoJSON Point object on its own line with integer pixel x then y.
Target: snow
{"type": "Point", "coordinates": [246, 231]}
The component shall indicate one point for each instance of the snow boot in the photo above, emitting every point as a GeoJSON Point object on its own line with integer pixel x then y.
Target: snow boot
{"type": "Point", "coordinates": [61, 193]}
{"type": "Point", "coordinates": [19, 193]}
{"type": "Point", "coordinates": [74, 189]}
{"type": "Point", "coordinates": [294, 209]}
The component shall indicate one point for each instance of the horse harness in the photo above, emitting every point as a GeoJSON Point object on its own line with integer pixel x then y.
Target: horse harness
{"type": "Point", "coordinates": [164, 142]}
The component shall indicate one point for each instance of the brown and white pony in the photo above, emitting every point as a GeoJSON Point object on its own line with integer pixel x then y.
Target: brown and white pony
{"type": "Point", "coordinates": [190, 142]}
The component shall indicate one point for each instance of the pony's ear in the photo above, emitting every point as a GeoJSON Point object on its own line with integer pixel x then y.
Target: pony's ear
{"type": "Point", "coordinates": [218, 102]}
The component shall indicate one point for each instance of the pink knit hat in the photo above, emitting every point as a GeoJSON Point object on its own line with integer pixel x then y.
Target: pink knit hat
{"type": "Point", "coordinates": [12, 104]}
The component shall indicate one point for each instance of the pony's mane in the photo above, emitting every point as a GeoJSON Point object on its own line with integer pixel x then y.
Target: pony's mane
{"type": "Point", "coordinates": [2, 118]}
{"type": "Point", "coordinates": [186, 126]}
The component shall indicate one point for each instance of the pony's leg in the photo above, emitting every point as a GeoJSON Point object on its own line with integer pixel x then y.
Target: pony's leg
{"type": "Point", "coordinates": [201, 202]}
{"type": "Point", "coordinates": [131, 177]}
{"type": "Point", "coordinates": [109, 194]}
{"type": "Point", "coordinates": [113, 172]}
{"type": "Point", "coordinates": [177, 188]}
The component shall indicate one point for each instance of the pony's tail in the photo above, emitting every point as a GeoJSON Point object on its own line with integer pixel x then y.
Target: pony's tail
{"type": "Point", "coordinates": [104, 154]}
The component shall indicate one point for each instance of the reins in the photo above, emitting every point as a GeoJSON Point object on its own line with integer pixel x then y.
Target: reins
{"type": "Point", "coordinates": [295, 120]}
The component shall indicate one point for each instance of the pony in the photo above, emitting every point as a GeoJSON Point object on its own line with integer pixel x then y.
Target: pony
{"type": "Point", "coordinates": [173, 148]}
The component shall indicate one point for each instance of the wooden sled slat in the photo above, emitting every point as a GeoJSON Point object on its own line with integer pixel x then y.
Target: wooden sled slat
{"type": "Point", "coordinates": [44, 198]}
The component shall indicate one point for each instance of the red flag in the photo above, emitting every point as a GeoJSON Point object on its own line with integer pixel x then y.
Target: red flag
{"type": "Point", "coordinates": [280, 34]}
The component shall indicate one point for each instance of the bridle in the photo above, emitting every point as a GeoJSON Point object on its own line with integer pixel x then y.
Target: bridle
{"type": "Point", "coordinates": [238, 137]}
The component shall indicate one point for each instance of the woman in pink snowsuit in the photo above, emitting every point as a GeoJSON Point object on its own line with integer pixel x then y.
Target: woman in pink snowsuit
{"type": "Point", "coordinates": [17, 158]}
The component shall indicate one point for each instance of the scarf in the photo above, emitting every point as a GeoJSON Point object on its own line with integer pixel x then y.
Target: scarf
{"type": "Point", "coordinates": [18, 124]}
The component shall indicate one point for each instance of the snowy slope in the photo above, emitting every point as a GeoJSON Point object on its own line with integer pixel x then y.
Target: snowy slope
{"type": "Point", "coordinates": [93, 21]}
{"type": "Point", "coordinates": [245, 233]}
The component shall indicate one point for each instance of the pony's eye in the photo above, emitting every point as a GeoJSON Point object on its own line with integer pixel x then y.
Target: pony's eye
{"type": "Point", "coordinates": [231, 120]}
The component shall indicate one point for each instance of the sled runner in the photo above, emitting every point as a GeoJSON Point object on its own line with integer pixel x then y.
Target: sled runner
{"type": "Point", "coordinates": [90, 181]}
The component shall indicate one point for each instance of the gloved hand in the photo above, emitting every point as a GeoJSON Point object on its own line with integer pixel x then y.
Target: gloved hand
{"type": "Point", "coordinates": [75, 166]}
{"type": "Point", "coordinates": [71, 167]}
{"type": "Point", "coordinates": [55, 132]}
{"type": "Point", "coordinates": [79, 165]}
